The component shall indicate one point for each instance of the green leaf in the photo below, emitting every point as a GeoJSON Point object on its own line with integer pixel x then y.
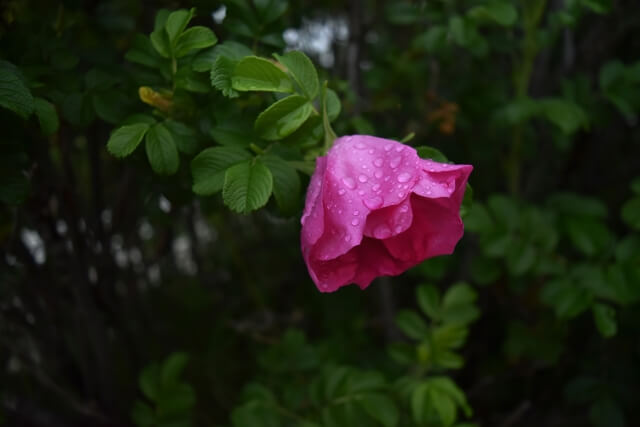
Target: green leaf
{"type": "Point", "coordinates": [432, 40]}
{"type": "Point", "coordinates": [259, 74]}
{"type": "Point", "coordinates": [221, 74]}
{"type": "Point", "coordinates": [426, 152]}
{"type": "Point", "coordinates": [574, 204]}
{"type": "Point", "coordinates": [412, 324]}
{"type": "Point", "coordinates": [208, 168]}
{"type": "Point", "coordinates": [447, 386]}
{"type": "Point", "coordinates": [149, 381]}
{"type": "Point", "coordinates": [333, 105]}
{"type": "Point", "coordinates": [605, 318]}
{"type": "Point", "coordinates": [142, 52]}
{"type": "Point", "coordinates": [308, 134]}
{"type": "Point", "coordinates": [429, 301]}
{"type": "Point", "coordinates": [172, 368]}
{"type": "Point", "coordinates": [161, 150]}
{"type": "Point", "coordinates": [565, 114]}
{"type": "Point", "coordinates": [458, 305]}
{"type": "Point", "coordinates": [450, 336]}
{"type": "Point", "coordinates": [286, 183]}
{"type": "Point", "coordinates": [143, 415]}
{"type": "Point", "coordinates": [14, 94]}
{"type": "Point", "coordinates": [420, 403]}
{"type": "Point", "coordinates": [283, 117]}
{"type": "Point", "coordinates": [567, 299]}
{"type": "Point", "coordinates": [501, 12]}
{"type": "Point", "coordinates": [303, 72]}
{"type": "Point", "coordinates": [631, 213]}
{"type": "Point", "coordinates": [47, 116]}
{"type": "Point", "coordinates": [125, 140]}
{"type": "Point", "coordinates": [185, 137]}
{"type": "Point", "coordinates": [247, 186]}
{"type": "Point", "coordinates": [194, 38]}
{"type": "Point", "coordinates": [365, 381]}
{"type": "Point", "coordinates": [176, 23]}
{"type": "Point", "coordinates": [590, 236]}
{"type": "Point", "coordinates": [381, 408]}
{"type": "Point", "coordinates": [521, 257]}
{"type": "Point", "coordinates": [444, 406]}
{"type": "Point", "coordinates": [160, 42]}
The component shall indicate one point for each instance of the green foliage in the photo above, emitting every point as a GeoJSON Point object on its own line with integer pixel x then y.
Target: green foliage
{"type": "Point", "coordinates": [169, 400]}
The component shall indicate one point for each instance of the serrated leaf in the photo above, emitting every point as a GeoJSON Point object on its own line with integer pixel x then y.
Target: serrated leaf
{"type": "Point", "coordinates": [194, 38]}
{"type": "Point", "coordinates": [247, 186]}
{"type": "Point", "coordinates": [412, 324]}
{"type": "Point", "coordinates": [605, 318]}
{"type": "Point", "coordinates": [208, 168]}
{"type": "Point", "coordinates": [303, 72]}
{"type": "Point", "coordinates": [381, 408]}
{"type": "Point", "coordinates": [258, 74]}
{"type": "Point", "coordinates": [185, 137]}
{"type": "Point", "coordinates": [283, 117]}
{"type": "Point", "coordinates": [14, 94]}
{"type": "Point", "coordinates": [286, 183]}
{"type": "Point", "coordinates": [47, 116]}
{"type": "Point", "coordinates": [161, 150]}
{"type": "Point", "coordinates": [125, 140]}
{"type": "Point", "coordinates": [221, 74]}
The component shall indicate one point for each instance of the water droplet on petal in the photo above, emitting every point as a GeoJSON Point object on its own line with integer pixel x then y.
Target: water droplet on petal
{"type": "Point", "coordinates": [404, 208]}
{"type": "Point", "coordinates": [378, 174]}
{"type": "Point", "coordinates": [374, 202]}
{"type": "Point", "coordinates": [341, 191]}
{"type": "Point", "coordinates": [363, 178]}
{"type": "Point", "coordinates": [376, 187]}
{"type": "Point", "coordinates": [361, 192]}
{"type": "Point", "coordinates": [356, 213]}
{"type": "Point", "coordinates": [398, 229]}
{"type": "Point", "coordinates": [378, 162]}
{"type": "Point", "coordinates": [347, 238]}
{"type": "Point", "coordinates": [395, 162]}
{"type": "Point", "coordinates": [360, 146]}
{"type": "Point", "coordinates": [388, 147]}
{"type": "Point", "coordinates": [371, 151]}
{"type": "Point", "coordinates": [349, 182]}
{"type": "Point", "coordinates": [355, 222]}
{"type": "Point", "coordinates": [401, 194]}
{"type": "Point", "coordinates": [404, 177]}
{"type": "Point", "coordinates": [399, 148]}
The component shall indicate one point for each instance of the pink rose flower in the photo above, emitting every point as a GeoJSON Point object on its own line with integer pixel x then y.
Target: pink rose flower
{"type": "Point", "coordinates": [374, 208]}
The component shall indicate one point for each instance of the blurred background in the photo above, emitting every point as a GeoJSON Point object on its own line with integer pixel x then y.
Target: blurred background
{"type": "Point", "coordinates": [125, 299]}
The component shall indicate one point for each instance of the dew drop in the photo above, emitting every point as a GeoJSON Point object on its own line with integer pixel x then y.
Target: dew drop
{"type": "Point", "coordinates": [401, 194]}
{"type": "Point", "coordinates": [374, 202]}
{"type": "Point", "coordinates": [363, 178]}
{"type": "Point", "coordinates": [361, 192]}
{"type": "Point", "coordinates": [378, 174]}
{"type": "Point", "coordinates": [341, 191]}
{"type": "Point", "coordinates": [378, 162]}
{"type": "Point", "coordinates": [349, 182]}
{"type": "Point", "coordinates": [404, 208]}
{"type": "Point", "coordinates": [376, 187]}
{"type": "Point", "coordinates": [356, 213]}
{"type": "Point", "coordinates": [347, 238]}
{"type": "Point", "coordinates": [404, 177]}
{"type": "Point", "coordinates": [398, 229]}
{"type": "Point", "coordinates": [395, 162]}
{"type": "Point", "coordinates": [399, 149]}
{"type": "Point", "coordinates": [360, 146]}
{"type": "Point", "coordinates": [388, 147]}
{"type": "Point", "coordinates": [355, 222]}
{"type": "Point", "coordinates": [371, 151]}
